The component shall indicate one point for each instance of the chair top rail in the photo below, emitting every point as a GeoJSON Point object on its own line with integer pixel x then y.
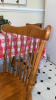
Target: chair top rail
{"type": "Point", "coordinates": [36, 24]}
{"type": "Point", "coordinates": [31, 30]}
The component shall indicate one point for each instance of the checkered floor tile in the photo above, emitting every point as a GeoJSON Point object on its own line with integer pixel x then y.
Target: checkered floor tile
{"type": "Point", "coordinates": [45, 88]}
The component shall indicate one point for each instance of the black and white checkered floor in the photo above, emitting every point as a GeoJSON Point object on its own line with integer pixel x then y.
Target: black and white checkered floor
{"type": "Point", "coordinates": [45, 89]}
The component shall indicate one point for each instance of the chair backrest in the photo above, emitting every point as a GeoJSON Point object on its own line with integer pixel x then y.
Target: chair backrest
{"type": "Point", "coordinates": [29, 31]}
{"type": "Point", "coordinates": [37, 24]}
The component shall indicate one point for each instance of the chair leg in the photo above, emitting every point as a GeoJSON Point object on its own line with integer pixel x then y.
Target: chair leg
{"type": "Point", "coordinates": [12, 62]}
{"type": "Point", "coordinates": [32, 62]}
{"type": "Point", "coordinates": [21, 59]}
{"type": "Point", "coordinates": [30, 98]}
{"type": "Point", "coordinates": [35, 80]}
{"type": "Point", "coordinates": [39, 70]}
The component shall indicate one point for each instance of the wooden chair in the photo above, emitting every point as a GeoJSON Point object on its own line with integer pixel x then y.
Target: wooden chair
{"type": "Point", "coordinates": [14, 87]}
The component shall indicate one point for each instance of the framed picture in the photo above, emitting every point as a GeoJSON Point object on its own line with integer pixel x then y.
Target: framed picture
{"type": "Point", "coordinates": [13, 2]}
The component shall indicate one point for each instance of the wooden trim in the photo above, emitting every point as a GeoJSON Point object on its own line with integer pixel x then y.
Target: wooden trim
{"type": "Point", "coordinates": [21, 10]}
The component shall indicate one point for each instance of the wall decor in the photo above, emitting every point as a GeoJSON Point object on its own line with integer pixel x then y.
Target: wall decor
{"type": "Point", "coordinates": [13, 2]}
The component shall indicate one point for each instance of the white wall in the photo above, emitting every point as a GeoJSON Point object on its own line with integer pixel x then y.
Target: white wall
{"type": "Point", "coordinates": [50, 19]}
{"type": "Point", "coordinates": [34, 4]}
{"type": "Point", "coordinates": [20, 19]}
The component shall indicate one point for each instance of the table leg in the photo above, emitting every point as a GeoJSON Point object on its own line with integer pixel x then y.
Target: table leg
{"type": "Point", "coordinates": [12, 61]}
{"type": "Point", "coordinates": [39, 70]}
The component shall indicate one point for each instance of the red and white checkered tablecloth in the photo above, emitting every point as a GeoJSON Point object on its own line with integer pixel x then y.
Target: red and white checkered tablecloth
{"type": "Point", "coordinates": [14, 37]}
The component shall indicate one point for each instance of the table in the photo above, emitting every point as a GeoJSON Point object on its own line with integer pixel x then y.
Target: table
{"type": "Point", "coordinates": [14, 37]}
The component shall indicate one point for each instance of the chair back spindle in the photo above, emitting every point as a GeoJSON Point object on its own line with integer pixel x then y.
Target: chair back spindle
{"type": "Point", "coordinates": [5, 54]}
{"type": "Point", "coordinates": [18, 65]}
{"type": "Point", "coordinates": [15, 56]}
{"type": "Point", "coordinates": [23, 59]}
{"type": "Point", "coordinates": [30, 63]}
{"type": "Point", "coordinates": [10, 55]}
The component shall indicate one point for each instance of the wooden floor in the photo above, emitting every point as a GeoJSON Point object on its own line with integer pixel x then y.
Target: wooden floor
{"type": "Point", "coordinates": [11, 88]}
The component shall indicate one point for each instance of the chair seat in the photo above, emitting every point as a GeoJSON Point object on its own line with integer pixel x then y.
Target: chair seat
{"type": "Point", "coordinates": [11, 88]}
